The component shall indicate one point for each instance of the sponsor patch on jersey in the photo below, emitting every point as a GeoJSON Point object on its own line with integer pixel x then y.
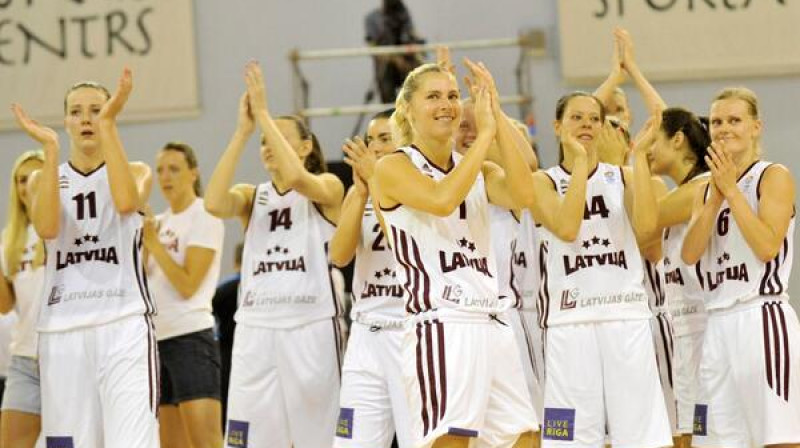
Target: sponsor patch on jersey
{"type": "Point", "coordinates": [59, 442]}
{"type": "Point", "coordinates": [559, 424]}
{"type": "Point", "coordinates": [700, 420]}
{"type": "Point", "coordinates": [237, 433]}
{"type": "Point", "coordinates": [461, 432]}
{"type": "Point", "coordinates": [344, 425]}
{"type": "Point", "coordinates": [610, 177]}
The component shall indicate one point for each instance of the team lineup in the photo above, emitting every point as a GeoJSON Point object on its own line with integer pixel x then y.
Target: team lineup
{"type": "Point", "coordinates": [495, 303]}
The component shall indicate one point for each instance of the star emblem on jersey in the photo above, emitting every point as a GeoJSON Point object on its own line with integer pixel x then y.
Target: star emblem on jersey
{"type": "Point", "coordinates": [595, 241]}
{"type": "Point", "coordinates": [386, 272]}
{"type": "Point", "coordinates": [463, 242]}
{"type": "Point", "coordinates": [723, 258]}
{"type": "Point", "coordinates": [86, 239]}
{"type": "Point", "coordinates": [471, 246]}
{"type": "Point", "coordinates": [277, 250]}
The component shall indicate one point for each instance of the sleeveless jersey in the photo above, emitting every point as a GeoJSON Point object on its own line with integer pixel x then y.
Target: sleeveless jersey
{"type": "Point", "coordinates": [285, 273]}
{"type": "Point", "coordinates": [730, 272]}
{"type": "Point", "coordinates": [504, 228]}
{"type": "Point", "coordinates": [378, 296]}
{"type": "Point", "coordinates": [525, 267]}
{"type": "Point", "coordinates": [448, 268]}
{"type": "Point", "coordinates": [599, 276]}
{"type": "Point", "coordinates": [94, 270]}
{"type": "Point", "coordinates": [682, 284]}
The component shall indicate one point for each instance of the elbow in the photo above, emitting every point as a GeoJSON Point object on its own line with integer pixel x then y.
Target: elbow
{"type": "Point", "coordinates": [443, 208]}
{"type": "Point", "coordinates": [46, 232]}
{"type": "Point", "coordinates": [339, 259]}
{"type": "Point", "coordinates": [567, 234]}
{"type": "Point", "coordinates": [768, 254]}
{"type": "Point", "coordinates": [690, 256]}
{"type": "Point", "coordinates": [212, 206]}
{"type": "Point", "coordinates": [187, 292]}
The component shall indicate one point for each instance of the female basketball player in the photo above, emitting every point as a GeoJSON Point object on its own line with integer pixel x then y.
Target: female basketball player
{"type": "Point", "coordinates": [592, 289]}
{"type": "Point", "coordinates": [184, 245]}
{"type": "Point", "coordinates": [20, 290]}
{"type": "Point", "coordinates": [284, 387]}
{"type": "Point", "coordinates": [373, 401]}
{"type": "Point", "coordinates": [741, 236]}
{"type": "Point", "coordinates": [434, 205]}
{"type": "Point", "coordinates": [98, 361]}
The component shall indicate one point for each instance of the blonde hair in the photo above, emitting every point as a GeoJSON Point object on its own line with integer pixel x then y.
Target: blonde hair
{"type": "Point", "coordinates": [402, 132]}
{"type": "Point", "coordinates": [740, 93]}
{"type": "Point", "coordinates": [15, 233]}
{"type": "Point", "coordinates": [749, 97]}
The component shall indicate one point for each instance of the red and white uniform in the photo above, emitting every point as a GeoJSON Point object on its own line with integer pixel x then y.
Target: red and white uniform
{"type": "Point", "coordinates": [373, 405]}
{"type": "Point", "coordinates": [461, 365]}
{"type": "Point", "coordinates": [284, 386]}
{"type": "Point", "coordinates": [601, 367]}
{"type": "Point", "coordinates": [97, 348]}
{"type": "Point", "coordinates": [751, 351]}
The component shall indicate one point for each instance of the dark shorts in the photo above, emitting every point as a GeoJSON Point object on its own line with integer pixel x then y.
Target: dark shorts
{"type": "Point", "coordinates": [189, 367]}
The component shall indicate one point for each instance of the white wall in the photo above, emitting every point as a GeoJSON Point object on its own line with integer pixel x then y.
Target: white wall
{"type": "Point", "coordinates": [228, 36]}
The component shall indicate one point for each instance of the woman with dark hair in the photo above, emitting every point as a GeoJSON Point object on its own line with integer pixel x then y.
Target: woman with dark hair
{"type": "Point", "coordinates": [97, 350]}
{"type": "Point", "coordinates": [740, 239]}
{"type": "Point", "coordinates": [184, 245]}
{"type": "Point", "coordinates": [373, 401]}
{"type": "Point", "coordinates": [592, 292]}
{"type": "Point", "coordinates": [284, 385]}
{"type": "Point", "coordinates": [22, 260]}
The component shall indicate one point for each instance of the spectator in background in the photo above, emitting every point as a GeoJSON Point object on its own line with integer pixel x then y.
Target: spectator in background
{"type": "Point", "coordinates": [391, 24]}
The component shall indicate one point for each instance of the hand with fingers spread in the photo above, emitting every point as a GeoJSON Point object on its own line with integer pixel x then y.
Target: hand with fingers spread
{"type": "Point", "coordinates": [46, 136]}
{"type": "Point", "coordinates": [116, 103]}
{"type": "Point", "coordinates": [443, 59]}
{"type": "Point", "coordinates": [256, 92]}
{"type": "Point", "coordinates": [245, 123]}
{"type": "Point", "coordinates": [572, 146]}
{"type": "Point", "coordinates": [611, 145]}
{"type": "Point", "coordinates": [359, 156]}
{"type": "Point", "coordinates": [647, 136]}
{"type": "Point", "coordinates": [483, 95]}
{"type": "Point", "coordinates": [723, 169]}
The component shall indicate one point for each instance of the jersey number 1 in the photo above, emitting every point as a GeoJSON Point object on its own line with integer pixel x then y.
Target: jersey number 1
{"type": "Point", "coordinates": [80, 203]}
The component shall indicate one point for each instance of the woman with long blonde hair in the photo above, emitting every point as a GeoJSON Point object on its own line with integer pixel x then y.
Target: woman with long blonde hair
{"type": "Point", "coordinates": [22, 263]}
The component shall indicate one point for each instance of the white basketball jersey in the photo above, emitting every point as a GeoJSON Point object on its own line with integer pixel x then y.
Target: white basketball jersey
{"type": "Point", "coordinates": [682, 284]}
{"type": "Point", "coordinates": [94, 267]}
{"type": "Point", "coordinates": [730, 271]}
{"type": "Point", "coordinates": [447, 262]}
{"type": "Point", "coordinates": [504, 228]}
{"type": "Point", "coordinates": [378, 296]}
{"type": "Point", "coordinates": [524, 266]}
{"type": "Point", "coordinates": [599, 276]}
{"type": "Point", "coordinates": [285, 273]}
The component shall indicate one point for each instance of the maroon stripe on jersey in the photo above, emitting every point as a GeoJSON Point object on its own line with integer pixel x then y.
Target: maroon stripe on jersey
{"type": "Point", "coordinates": [666, 339]}
{"type": "Point", "coordinates": [337, 339]}
{"type": "Point", "coordinates": [421, 381]}
{"type": "Point", "coordinates": [778, 260]}
{"type": "Point", "coordinates": [401, 253]}
{"type": "Point", "coordinates": [652, 276]}
{"type": "Point", "coordinates": [442, 369]}
{"type": "Point", "coordinates": [786, 359]}
{"type": "Point", "coordinates": [141, 276]}
{"type": "Point", "coordinates": [765, 280]}
{"type": "Point", "coordinates": [432, 374]}
{"type": "Point", "coordinates": [512, 278]}
{"type": "Point", "coordinates": [426, 285]}
{"type": "Point", "coordinates": [529, 347]}
{"type": "Point", "coordinates": [699, 273]}
{"type": "Point", "coordinates": [776, 347]}
{"type": "Point", "coordinates": [767, 354]}
{"type": "Point", "coordinates": [337, 307]}
{"type": "Point", "coordinates": [544, 288]}
{"type": "Point", "coordinates": [153, 367]}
